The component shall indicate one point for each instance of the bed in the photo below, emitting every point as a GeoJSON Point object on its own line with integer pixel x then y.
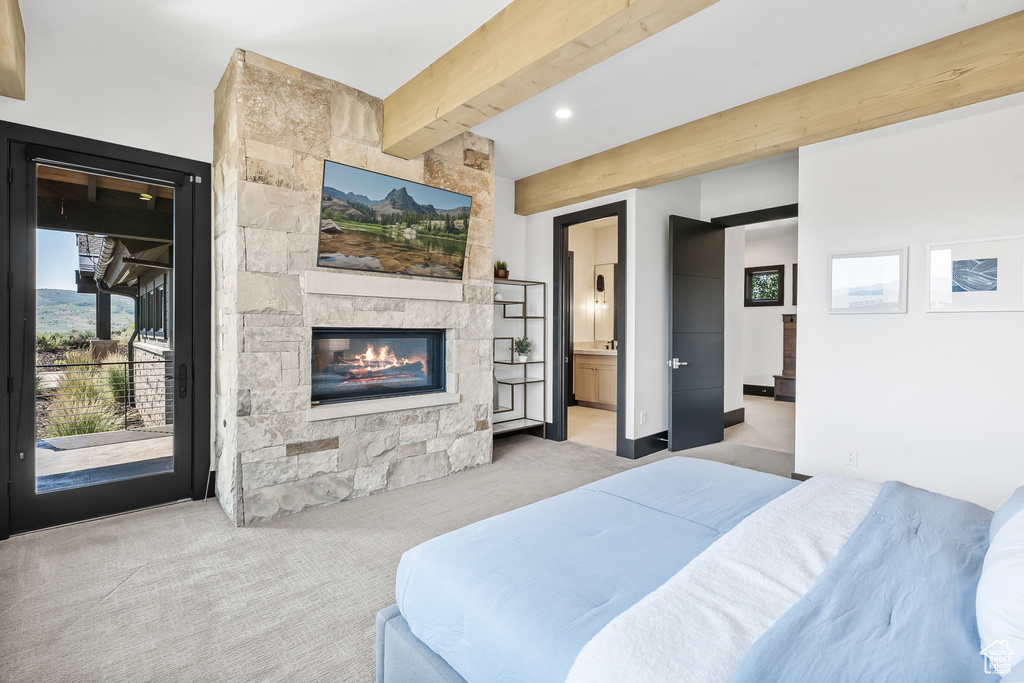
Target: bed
{"type": "Point", "coordinates": [687, 569]}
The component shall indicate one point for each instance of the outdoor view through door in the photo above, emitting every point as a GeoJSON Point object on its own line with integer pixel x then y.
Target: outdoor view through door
{"type": "Point", "coordinates": [104, 408]}
{"type": "Point", "coordinates": [104, 311]}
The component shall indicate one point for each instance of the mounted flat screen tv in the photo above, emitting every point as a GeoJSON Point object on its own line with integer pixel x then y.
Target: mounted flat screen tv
{"type": "Point", "coordinates": [375, 222]}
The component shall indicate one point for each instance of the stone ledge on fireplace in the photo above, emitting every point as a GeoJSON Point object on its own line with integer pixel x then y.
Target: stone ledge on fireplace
{"type": "Point", "coordinates": [346, 284]}
{"type": "Point", "coordinates": [331, 411]}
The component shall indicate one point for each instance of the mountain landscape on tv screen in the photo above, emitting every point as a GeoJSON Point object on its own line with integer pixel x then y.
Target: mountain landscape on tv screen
{"type": "Point", "coordinates": [393, 234]}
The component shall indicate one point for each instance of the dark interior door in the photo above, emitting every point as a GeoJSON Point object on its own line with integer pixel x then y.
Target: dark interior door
{"type": "Point", "coordinates": [697, 329]}
{"type": "Point", "coordinates": [157, 392]}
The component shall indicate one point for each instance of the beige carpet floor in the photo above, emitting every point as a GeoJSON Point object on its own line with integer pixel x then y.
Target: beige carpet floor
{"type": "Point", "coordinates": [767, 424]}
{"type": "Point", "coordinates": [178, 594]}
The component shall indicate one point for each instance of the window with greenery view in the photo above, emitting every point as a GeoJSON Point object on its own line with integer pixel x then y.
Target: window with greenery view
{"type": "Point", "coordinates": [764, 286]}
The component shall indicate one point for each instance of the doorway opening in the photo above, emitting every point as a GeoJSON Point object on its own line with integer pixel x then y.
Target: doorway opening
{"type": "Point", "coordinates": [771, 292]}
{"type": "Point", "coordinates": [108, 402]}
{"type": "Point", "coordinates": [593, 249]}
{"type": "Point", "coordinates": [589, 313]}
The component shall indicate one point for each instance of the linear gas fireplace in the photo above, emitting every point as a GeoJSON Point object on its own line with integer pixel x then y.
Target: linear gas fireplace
{"type": "Point", "coordinates": [352, 364]}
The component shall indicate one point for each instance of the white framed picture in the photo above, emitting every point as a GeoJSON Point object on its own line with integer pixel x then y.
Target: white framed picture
{"type": "Point", "coordinates": [868, 282]}
{"type": "Point", "coordinates": [976, 275]}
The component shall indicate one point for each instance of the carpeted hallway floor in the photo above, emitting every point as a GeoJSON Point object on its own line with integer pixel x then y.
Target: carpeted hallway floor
{"type": "Point", "coordinates": [177, 593]}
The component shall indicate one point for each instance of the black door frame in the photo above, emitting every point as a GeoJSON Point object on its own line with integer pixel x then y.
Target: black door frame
{"type": "Point", "coordinates": [558, 429]}
{"type": "Point", "coordinates": [200, 263]}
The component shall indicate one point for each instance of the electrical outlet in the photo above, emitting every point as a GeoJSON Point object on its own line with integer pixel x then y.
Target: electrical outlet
{"type": "Point", "coordinates": [643, 417]}
{"type": "Point", "coordinates": [850, 456]}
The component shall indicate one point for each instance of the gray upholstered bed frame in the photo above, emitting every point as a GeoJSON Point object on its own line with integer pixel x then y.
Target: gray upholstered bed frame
{"type": "Point", "coordinates": [403, 658]}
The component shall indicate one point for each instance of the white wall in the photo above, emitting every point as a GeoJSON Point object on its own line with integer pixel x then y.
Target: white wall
{"type": "Point", "coordinates": [81, 94]}
{"type": "Point", "coordinates": [606, 244]}
{"type": "Point", "coordinates": [509, 229]}
{"type": "Point", "coordinates": [735, 253]}
{"type": "Point", "coordinates": [649, 273]}
{"type": "Point", "coordinates": [931, 399]}
{"type": "Point", "coordinates": [750, 187]}
{"type": "Point", "coordinates": [762, 325]}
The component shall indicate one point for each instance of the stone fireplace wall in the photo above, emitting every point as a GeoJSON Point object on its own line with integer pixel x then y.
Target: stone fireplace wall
{"type": "Point", "coordinates": [274, 127]}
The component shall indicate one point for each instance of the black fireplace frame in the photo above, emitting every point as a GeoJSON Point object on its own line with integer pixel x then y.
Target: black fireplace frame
{"type": "Point", "coordinates": [436, 339]}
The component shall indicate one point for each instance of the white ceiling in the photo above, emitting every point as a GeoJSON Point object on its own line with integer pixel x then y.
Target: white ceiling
{"type": "Point", "coordinates": [372, 45]}
{"type": "Point", "coordinates": [733, 52]}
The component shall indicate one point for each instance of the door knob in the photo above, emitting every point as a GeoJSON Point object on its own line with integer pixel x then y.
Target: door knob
{"type": "Point", "coordinates": [675, 363]}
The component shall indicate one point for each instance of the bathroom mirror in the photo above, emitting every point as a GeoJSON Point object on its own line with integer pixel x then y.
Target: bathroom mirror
{"type": "Point", "coordinates": [604, 302]}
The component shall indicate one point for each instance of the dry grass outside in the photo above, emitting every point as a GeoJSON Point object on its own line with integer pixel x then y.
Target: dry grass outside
{"type": "Point", "coordinates": [81, 401]}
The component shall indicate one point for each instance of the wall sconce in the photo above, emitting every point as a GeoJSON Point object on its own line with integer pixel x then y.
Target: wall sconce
{"type": "Point", "coordinates": [603, 303]}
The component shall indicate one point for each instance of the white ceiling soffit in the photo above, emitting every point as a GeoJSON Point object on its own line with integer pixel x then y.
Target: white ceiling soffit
{"type": "Point", "coordinates": [733, 52]}
{"type": "Point", "coordinates": [372, 45]}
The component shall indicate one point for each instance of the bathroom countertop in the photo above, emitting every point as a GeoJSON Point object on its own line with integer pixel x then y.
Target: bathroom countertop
{"type": "Point", "coordinates": [596, 352]}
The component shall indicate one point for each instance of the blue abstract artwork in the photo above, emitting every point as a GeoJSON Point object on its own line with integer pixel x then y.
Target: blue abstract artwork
{"type": "Point", "coordinates": [975, 275]}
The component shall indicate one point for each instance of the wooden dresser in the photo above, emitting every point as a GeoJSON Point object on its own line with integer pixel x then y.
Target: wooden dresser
{"type": "Point", "coordinates": [785, 384]}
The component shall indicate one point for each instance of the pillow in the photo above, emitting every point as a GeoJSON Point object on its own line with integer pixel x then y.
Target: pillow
{"type": "Point", "coordinates": [1013, 505]}
{"type": "Point", "coordinates": [1000, 601]}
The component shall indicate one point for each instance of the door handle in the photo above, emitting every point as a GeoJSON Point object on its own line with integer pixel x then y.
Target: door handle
{"type": "Point", "coordinates": [675, 363]}
{"type": "Point", "coordinates": [182, 381]}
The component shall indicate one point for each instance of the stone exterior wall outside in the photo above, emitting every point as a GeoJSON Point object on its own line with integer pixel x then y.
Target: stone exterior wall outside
{"type": "Point", "coordinates": [152, 400]}
{"type": "Point", "coordinates": [274, 127]}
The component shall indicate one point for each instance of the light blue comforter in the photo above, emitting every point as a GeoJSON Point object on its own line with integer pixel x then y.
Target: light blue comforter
{"type": "Point", "coordinates": [896, 604]}
{"type": "Point", "coordinates": [515, 597]}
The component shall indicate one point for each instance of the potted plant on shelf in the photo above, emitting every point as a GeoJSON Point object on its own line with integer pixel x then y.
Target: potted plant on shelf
{"type": "Point", "coordinates": [522, 348]}
{"type": "Point", "coordinates": [500, 270]}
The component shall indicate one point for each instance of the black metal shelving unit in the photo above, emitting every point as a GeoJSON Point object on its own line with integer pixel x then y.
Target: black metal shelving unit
{"type": "Point", "coordinates": [520, 386]}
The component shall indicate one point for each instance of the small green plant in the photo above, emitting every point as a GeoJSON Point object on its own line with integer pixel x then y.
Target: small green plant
{"type": "Point", "coordinates": [522, 346]}
{"type": "Point", "coordinates": [500, 265]}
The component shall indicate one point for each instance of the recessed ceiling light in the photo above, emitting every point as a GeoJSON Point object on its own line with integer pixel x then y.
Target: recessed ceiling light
{"type": "Point", "coordinates": [563, 113]}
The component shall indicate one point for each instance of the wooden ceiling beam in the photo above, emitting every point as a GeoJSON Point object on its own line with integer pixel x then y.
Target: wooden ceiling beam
{"type": "Point", "coordinates": [981, 63]}
{"type": "Point", "coordinates": [12, 50]}
{"type": "Point", "coordinates": [526, 48]}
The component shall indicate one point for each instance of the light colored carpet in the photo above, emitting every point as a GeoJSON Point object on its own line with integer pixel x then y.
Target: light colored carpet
{"type": "Point", "coordinates": [768, 424]}
{"type": "Point", "coordinates": [177, 593]}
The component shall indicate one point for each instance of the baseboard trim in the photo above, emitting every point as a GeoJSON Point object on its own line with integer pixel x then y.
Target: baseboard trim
{"type": "Point", "coordinates": [758, 390]}
{"type": "Point", "coordinates": [787, 399]}
{"type": "Point", "coordinates": [598, 406]}
{"type": "Point", "coordinates": [645, 445]}
{"type": "Point", "coordinates": [734, 417]}
{"type": "Point", "coordinates": [800, 477]}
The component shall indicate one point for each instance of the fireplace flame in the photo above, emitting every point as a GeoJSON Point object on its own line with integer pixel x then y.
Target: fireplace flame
{"type": "Point", "coordinates": [382, 358]}
{"type": "Point", "coordinates": [379, 363]}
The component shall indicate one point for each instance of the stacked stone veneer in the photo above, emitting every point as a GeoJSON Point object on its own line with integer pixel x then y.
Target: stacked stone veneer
{"type": "Point", "coordinates": [153, 400]}
{"type": "Point", "coordinates": [274, 127]}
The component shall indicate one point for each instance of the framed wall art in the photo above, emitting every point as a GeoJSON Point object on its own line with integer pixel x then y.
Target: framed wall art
{"type": "Point", "coordinates": [868, 282]}
{"type": "Point", "coordinates": [976, 275]}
